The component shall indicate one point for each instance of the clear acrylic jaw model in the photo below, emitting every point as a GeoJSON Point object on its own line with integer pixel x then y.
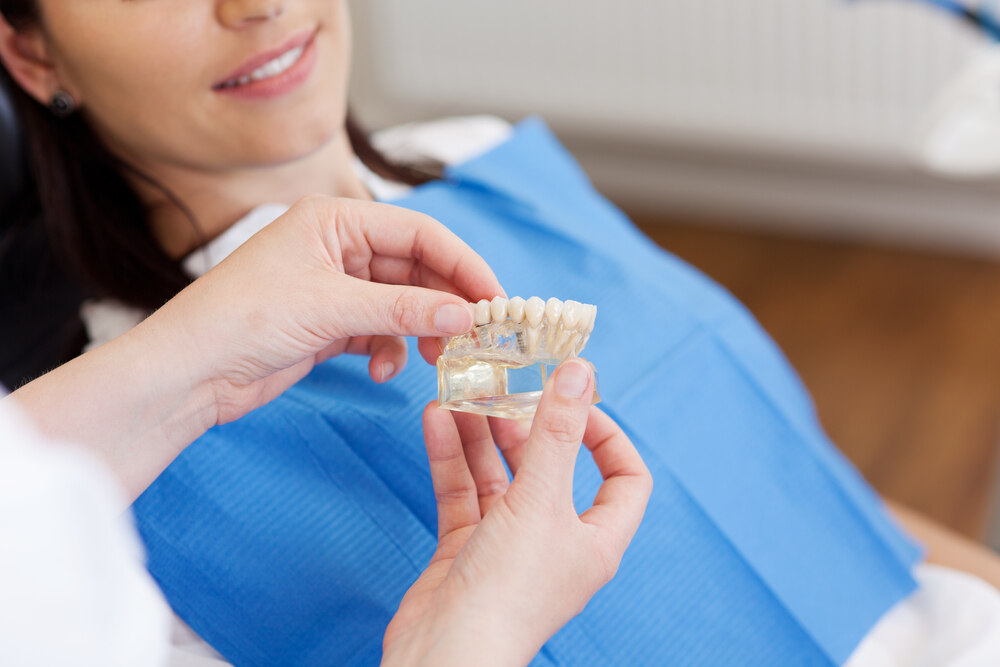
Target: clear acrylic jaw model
{"type": "Point", "coordinates": [500, 367]}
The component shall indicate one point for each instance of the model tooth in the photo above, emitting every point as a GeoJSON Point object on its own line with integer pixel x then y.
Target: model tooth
{"type": "Point", "coordinates": [553, 311]}
{"type": "Point", "coordinates": [482, 312]}
{"type": "Point", "coordinates": [587, 322]}
{"type": "Point", "coordinates": [515, 308]}
{"type": "Point", "coordinates": [572, 315]}
{"type": "Point", "coordinates": [556, 344]}
{"type": "Point", "coordinates": [532, 334]}
{"type": "Point", "coordinates": [570, 345]}
{"type": "Point", "coordinates": [498, 308]}
{"type": "Point", "coordinates": [534, 308]}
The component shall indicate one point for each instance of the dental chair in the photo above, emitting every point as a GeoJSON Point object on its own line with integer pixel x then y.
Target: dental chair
{"type": "Point", "coordinates": [11, 151]}
{"type": "Point", "coordinates": [29, 274]}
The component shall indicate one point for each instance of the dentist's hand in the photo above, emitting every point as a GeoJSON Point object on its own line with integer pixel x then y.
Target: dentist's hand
{"type": "Point", "coordinates": [514, 561]}
{"type": "Point", "coordinates": [329, 276]}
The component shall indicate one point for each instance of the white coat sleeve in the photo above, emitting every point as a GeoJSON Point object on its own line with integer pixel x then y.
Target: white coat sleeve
{"type": "Point", "coordinates": [73, 588]}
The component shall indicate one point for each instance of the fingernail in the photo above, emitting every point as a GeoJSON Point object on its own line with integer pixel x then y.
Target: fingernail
{"type": "Point", "coordinates": [453, 319]}
{"type": "Point", "coordinates": [572, 379]}
{"type": "Point", "coordinates": [387, 370]}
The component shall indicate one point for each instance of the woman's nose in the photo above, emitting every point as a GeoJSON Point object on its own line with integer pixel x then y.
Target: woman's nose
{"type": "Point", "coordinates": [241, 13]}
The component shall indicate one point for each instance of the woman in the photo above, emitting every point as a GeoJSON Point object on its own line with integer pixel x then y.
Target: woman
{"type": "Point", "coordinates": [761, 544]}
{"type": "Point", "coordinates": [71, 565]}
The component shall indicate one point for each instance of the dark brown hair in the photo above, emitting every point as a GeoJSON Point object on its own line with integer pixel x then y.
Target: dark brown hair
{"type": "Point", "coordinates": [95, 223]}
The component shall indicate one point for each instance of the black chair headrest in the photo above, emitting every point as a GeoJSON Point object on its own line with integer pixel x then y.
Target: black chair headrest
{"type": "Point", "coordinates": [12, 164]}
{"type": "Point", "coordinates": [40, 326]}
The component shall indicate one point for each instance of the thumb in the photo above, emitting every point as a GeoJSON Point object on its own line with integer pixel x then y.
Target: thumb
{"type": "Point", "coordinates": [400, 310]}
{"type": "Point", "coordinates": [558, 427]}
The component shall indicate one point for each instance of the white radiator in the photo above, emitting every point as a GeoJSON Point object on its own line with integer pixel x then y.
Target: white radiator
{"type": "Point", "coordinates": [829, 82]}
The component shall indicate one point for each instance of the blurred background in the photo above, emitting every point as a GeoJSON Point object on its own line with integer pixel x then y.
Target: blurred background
{"type": "Point", "coordinates": [835, 164]}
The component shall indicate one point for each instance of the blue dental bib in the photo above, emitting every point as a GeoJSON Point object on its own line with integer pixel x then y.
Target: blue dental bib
{"type": "Point", "coordinates": [290, 536]}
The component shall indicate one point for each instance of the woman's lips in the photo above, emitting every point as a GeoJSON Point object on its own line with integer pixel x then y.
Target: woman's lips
{"type": "Point", "coordinates": [274, 72]}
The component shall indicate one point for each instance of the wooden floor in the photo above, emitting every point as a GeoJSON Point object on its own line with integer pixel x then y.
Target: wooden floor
{"type": "Point", "coordinates": [900, 349]}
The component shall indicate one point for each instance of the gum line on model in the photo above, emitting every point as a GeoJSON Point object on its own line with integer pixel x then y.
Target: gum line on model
{"type": "Point", "coordinates": [500, 367]}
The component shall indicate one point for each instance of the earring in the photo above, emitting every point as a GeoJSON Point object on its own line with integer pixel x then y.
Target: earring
{"type": "Point", "coordinates": [62, 104]}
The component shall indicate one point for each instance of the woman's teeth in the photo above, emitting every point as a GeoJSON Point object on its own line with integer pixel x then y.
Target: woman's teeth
{"type": "Point", "coordinates": [269, 69]}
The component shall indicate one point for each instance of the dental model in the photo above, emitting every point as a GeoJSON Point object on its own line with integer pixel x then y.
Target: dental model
{"type": "Point", "coordinates": [500, 367]}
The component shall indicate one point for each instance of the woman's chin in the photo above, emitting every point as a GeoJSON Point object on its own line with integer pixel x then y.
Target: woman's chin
{"type": "Point", "coordinates": [280, 146]}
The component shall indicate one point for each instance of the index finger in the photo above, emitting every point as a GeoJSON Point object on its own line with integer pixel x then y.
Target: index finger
{"type": "Point", "coordinates": [621, 500]}
{"type": "Point", "coordinates": [454, 486]}
{"type": "Point", "coordinates": [368, 229]}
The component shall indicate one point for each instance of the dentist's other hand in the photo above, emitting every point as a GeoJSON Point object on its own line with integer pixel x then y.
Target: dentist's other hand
{"type": "Point", "coordinates": [515, 561]}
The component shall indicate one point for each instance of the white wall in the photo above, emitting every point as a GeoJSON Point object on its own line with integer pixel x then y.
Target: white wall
{"type": "Point", "coordinates": [797, 114]}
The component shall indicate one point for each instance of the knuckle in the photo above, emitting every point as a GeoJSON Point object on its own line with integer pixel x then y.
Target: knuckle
{"type": "Point", "coordinates": [408, 313]}
{"type": "Point", "coordinates": [316, 200]}
{"type": "Point", "coordinates": [607, 567]}
{"type": "Point", "coordinates": [607, 557]}
{"type": "Point", "coordinates": [426, 222]}
{"type": "Point", "coordinates": [493, 487]}
{"type": "Point", "coordinates": [562, 426]}
{"type": "Point", "coordinates": [317, 205]}
{"type": "Point", "coordinates": [388, 345]}
{"type": "Point", "coordinates": [455, 495]}
{"type": "Point", "coordinates": [643, 480]}
{"type": "Point", "coordinates": [316, 209]}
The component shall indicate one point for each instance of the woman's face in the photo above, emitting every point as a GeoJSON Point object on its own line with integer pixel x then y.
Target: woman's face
{"type": "Point", "coordinates": [212, 85]}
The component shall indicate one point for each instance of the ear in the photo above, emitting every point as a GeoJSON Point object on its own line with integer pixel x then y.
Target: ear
{"type": "Point", "coordinates": [25, 55]}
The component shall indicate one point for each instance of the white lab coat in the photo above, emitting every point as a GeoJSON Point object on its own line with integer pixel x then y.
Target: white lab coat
{"type": "Point", "coordinates": [73, 588]}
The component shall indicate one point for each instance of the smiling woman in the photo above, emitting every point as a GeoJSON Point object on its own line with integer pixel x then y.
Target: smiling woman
{"type": "Point", "coordinates": [148, 76]}
{"type": "Point", "coordinates": [290, 535]}
{"type": "Point", "coordinates": [158, 136]}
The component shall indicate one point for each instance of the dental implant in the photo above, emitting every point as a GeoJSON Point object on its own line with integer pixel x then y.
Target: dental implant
{"type": "Point", "coordinates": [500, 367]}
